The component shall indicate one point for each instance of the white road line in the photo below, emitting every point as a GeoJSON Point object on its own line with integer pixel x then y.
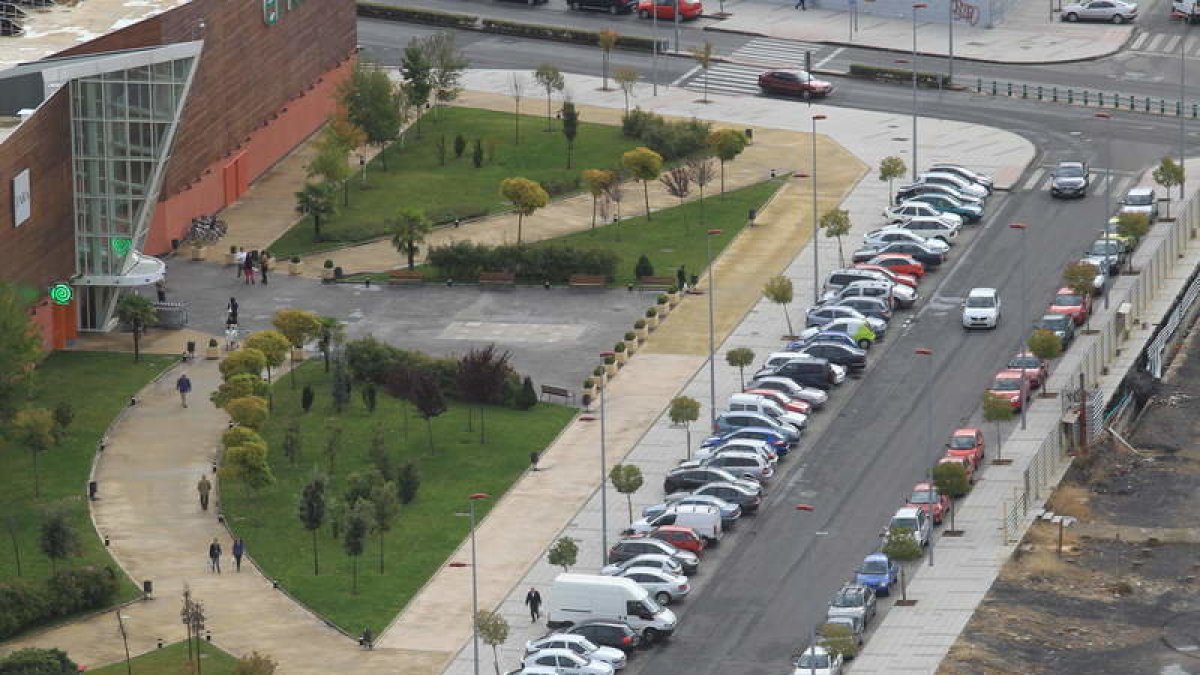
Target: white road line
{"type": "Point", "coordinates": [1034, 179]}
{"type": "Point", "coordinates": [1139, 41]}
{"type": "Point", "coordinates": [1155, 41]}
{"type": "Point", "coordinates": [682, 78]}
{"type": "Point", "coordinates": [1172, 44]}
{"type": "Point", "coordinates": [832, 55]}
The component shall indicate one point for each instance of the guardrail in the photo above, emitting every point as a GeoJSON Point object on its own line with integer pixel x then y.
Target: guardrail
{"type": "Point", "coordinates": [1087, 98]}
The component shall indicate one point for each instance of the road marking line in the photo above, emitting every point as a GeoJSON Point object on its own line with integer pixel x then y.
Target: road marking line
{"type": "Point", "coordinates": [1139, 41]}
{"type": "Point", "coordinates": [685, 76]}
{"type": "Point", "coordinates": [1034, 179]}
{"type": "Point", "coordinates": [832, 55]}
{"type": "Point", "coordinates": [1156, 42]}
{"type": "Point", "coordinates": [1171, 44]}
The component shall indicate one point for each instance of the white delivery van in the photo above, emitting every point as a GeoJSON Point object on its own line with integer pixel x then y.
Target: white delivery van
{"type": "Point", "coordinates": [579, 597]}
{"type": "Point", "coordinates": [703, 518]}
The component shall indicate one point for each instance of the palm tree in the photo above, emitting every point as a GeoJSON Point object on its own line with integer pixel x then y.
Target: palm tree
{"type": "Point", "coordinates": [409, 228]}
{"type": "Point", "coordinates": [139, 313]}
{"type": "Point", "coordinates": [316, 200]}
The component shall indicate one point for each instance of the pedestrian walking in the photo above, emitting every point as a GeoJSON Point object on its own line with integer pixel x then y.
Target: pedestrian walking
{"type": "Point", "coordinates": [800, 4]}
{"type": "Point", "coordinates": [248, 268]}
{"type": "Point", "coordinates": [681, 279]}
{"type": "Point", "coordinates": [534, 600]}
{"type": "Point", "coordinates": [204, 487]}
{"type": "Point", "coordinates": [184, 386]}
{"type": "Point", "coordinates": [231, 318]}
{"type": "Point", "coordinates": [240, 261]}
{"type": "Point", "coordinates": [161, 290]}
{"type": "Point", "coordinates": [239, 550]}
{"type": "Point", "coordinates": [214, 556]}
{"type": "Point", "coordinates": [262, 267]}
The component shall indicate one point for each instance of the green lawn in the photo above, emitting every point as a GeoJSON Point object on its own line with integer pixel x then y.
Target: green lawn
{"type": "Point", "coordinates": [674, 236]}
{"type": "Point", "coordinates": [415, 177]}
{"type": "Point", "coordinates": [427, 530]}
{"type": "Point", "coordinates": [170, 661]}
{"type": "Point", "coordinates": [97, 385]}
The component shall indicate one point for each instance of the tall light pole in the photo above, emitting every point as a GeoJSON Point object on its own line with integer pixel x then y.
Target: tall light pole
{"type": "Point", "coordinates": [474, 564]}
{"type": "Point", "coordinates": [654, 53]}
{"type": "Point", "coordinates": [916, 6]}
{"type": "Point", "coordinates": [926, 352]}
{"type": "Point", "coordinates": [1021, 227]}
{"type": "Point", "coordinates": [815, 218]}
{"type": "Point", "coordinates": [1182, 102]}
{"type": "Point", "coordinates": [675, 17]}
{"type": "Point", "coordinates": [712, 346]}
{"type": "Point", "coordinates": [603, 476]}
{"type": "Point", "coordinates": [1107, 187]}
{"type": "Point", "coordinates": [950, 23]}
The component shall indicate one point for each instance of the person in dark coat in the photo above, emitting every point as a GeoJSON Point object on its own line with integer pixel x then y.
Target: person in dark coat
{"type": "Point", "coordinates": [231, 318]}
{"type": "Point", "coordinates": [214, 556]}
{"type": "Point", "coordinates": [248, 268]}
{"type": "Point", "coordinates": [534, 600]}
{"type": "Point", "coordinates": [263, 266]}
{"type": "Point", "coordinates": [204, 487]}
{"type": "Point", "coordinates": [184, 386]}
{"type": "Point", "coordinates": [239, 550]}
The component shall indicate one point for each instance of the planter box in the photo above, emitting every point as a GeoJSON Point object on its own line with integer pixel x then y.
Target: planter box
{"type": "Point", "coordinates": [663, 311]}
{"type": "Point", "coordinates": [610, 369]}
{"type": "Point", "coordinates": [295, 267]}
{"type": "Point", "coordinates": [631, 346]}
{"type": "Point", "coordinates": [622, 357]}
{"type": "Point", "coordinates": [673, 299]}
{"type": "Point", "coordinates": [641, 334]}
{"type": "Point", "coordinates": [326, 274]}
{"type": "Point", "coordinates": [197, 253]}
{"type": "Point", "coordinates": [651, 323]}
{"type": "Point", "coordinates": [212, 353]}
{"type": "Point", "coordinates": [598, 380]}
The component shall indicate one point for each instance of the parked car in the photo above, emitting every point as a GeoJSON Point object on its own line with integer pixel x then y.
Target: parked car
{"type": "Point", "coordinates": [578, 644]}
{"type": "Point", "coordinates": [682, 538]}
{"type": "Point", "coordinates": [1141, 200]}
{"type": "Point", "coordinates": [607, 633]}
{"type": "Point", "coordinates": [854, 600]}
{"type": "Point", "coordinates": [630, 547]}
{"type": "Point", "coordinates": [954, 181]}
{"type": "Point", "coordinates": [811, 336]}
{"type": "Point", "coordinates": [820, 315]}
{"type": "Point", "coordinates": [915, 521]}
{"type": "Point", "coordinates": [849, 623]}
{"type": "Point", "coordinates": [1100, 280]}
{"type": "Point", "coordinates": [1107, 253]}
{"type": "Point", "coordinates": [967, 442]}
{"type": "Point", "coordinates": [760, 448]}
{"type": "Point", "coordinates": [900, 263]}
{"type": "Point", "coordinates": [784, 401]}
{"type": "Point", "coordinates": [854, 360]}
{"type": "Point", "coordinates": [876, 308]}
{"type": "Point", "coordinates": [690, 478]}
{"type": "Point", "coordinates": [895, 277]}
{"type": "Point", "coordinates": [815, 397]}
{"type": "Point", "coordinates": [810, 372]}
{"type": "Point", "coordinates": [730, 420]}
{"type": "Point", "coordinates": [610, 6]}
{"type": "Point", "coordinates": [905, 211]}
{"type": "Point", "coordinates": [665, 9]}
{"type": "Point", "coordinates": [981, 309]}
{"type": "Point", "coordinates": [1067, 301]}
{"type": "Point", "coordinates": [579, 597]}
{"type": "Point", "coordinates": [889, 235]}
{"type": "Point", "coordinates": [747, 498]}
{"type": "Point", "coordinates": [663, 587]}
{"type": "Point", "coordinates": [931, 228]}
{"type": "Point", "coordinates": [1059, 324]}
{"type": "Point", "coordinates": [1035, 369]}
{"type": "Point", "coordinates": [965, 173]}
{"type": "Point", "coordinates": [919, 190]}
{"type": "Point", "coordinates": [861, 329]}
{"type": "Point", "coordinates": [567, 662]}
{"type": "Point", "coordinates": [730, 512]}
{"type": "Point", "coordinates": [1011, 385]}
{"type": "Point", "coordinates": [898, 295]}
{"type": "Point", "coordinates": [794, 83]}
{"type": "Point", "coordinates": [967, 466]}
{"type": "Point", "coordinates": [703, 520]}
{"type": "Point", "coordinates": [765, 434]}
{"type": "Point", "coordinates": [817, 660]}
{"type": "Point", "coordinates": [878, 573]}
{"type": "Point", "coordinates": [1100, 10]}
{"type": "Point", "coordinates": [743, 464]}
{"type": "Point", "coordinates": [657, 561]}
{"type": "Point", "coordinates": [751, 403]}
{"type": "Point", "coordinates": [969, 212]}
{"type": "Point", "coordinates": [1070, 179]}
{"type": "Point", "coordinates": [922, 252]}
{"type": "Point", "coordinates": [926, 497]}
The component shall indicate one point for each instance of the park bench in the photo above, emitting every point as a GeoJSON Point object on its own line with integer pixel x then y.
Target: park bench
{"type": "Point", "coordinates": [563, 392]}
{"type": "Point", "coordinates": [497, 278]}
{"type": "Point", "coordinates": [585, 280]}
{"type": "Point", "coordinates": [406, 277]}
{"type": "Point", "coordinates": [656, 282]}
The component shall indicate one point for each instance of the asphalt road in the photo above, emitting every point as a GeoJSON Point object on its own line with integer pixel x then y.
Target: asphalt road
{"type": "Point", "coordinates": [758, 595]}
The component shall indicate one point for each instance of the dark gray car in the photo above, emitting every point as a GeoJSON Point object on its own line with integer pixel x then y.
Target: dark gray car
{"type": "Point", "coordinates": [1070, 179]}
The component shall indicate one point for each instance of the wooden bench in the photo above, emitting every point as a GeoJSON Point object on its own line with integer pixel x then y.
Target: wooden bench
{"type": "Point", "coordinates": [406, 277]}
{"type": "Point", "coordinates": [585, 280]}
{"type": "Point", "coordinates": [563, 392]}
{"type": "Point", "coordinates": [656, 282]}
{"type": "Point", "coordinates": [497, 278]}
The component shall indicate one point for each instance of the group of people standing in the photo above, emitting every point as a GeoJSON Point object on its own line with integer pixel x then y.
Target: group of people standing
{"type": "Point", "coordinates": [250, 263]}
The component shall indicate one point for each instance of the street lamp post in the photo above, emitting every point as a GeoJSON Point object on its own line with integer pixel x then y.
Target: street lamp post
{"type": "Point", "coordinates": [654, 53]}
{"type": "Point", "coordinates": [924, 351]}
{"type": "Point", "coordinates": [712, 347]}
{"type": "Point", "coordinates": [916, 6]}
{"type": "Point", "coordinates": [603, 476]}
{"type": "Point", "coordinates": [816, 258]}
{"type": "Point", "coordinates": [1107, 188]}
{"type": "Point", "coordinates": [950, 23]}
{"type": "Point", "coordinates": [1182, 101]}
{"type": "Point", "coordinates": [474, 579]}
{"type": "Point", "coordinates": [1021, 227]}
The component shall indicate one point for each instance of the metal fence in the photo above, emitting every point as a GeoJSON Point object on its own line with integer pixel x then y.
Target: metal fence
{"type": "Point", "coordinates": [1087, 98]}
{"type": "Point", "coordinates": [1040, 476]}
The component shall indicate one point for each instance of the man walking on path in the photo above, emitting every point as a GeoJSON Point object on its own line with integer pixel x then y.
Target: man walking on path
{"type": "Point", "coordinates": [800, 4]}
{"type": "Point", "coordinates": [231, 312]}
{"type": "Point", "coordinates": [204, 487]}
{"type": "Point", "coordinates": [239, 549]}
{"type": "Point", "coordinates": [534, 600]}
{"type": "Point", "coordinates": [248, 268]}
{"type": "Point", "coordinates": [240, 263]}
{"type": "Point", "coordinates": [262, 267]}
{"type": "Point", "coordinates": [214, 556]}
{"type": "Point", "coordinates": [184, 386]}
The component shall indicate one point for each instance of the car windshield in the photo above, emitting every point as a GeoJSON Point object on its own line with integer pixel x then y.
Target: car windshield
{"type": "Point", "coordinates": [847, 599]}
{"type": "Point", "coordinates": [1104, 247]}
{"type": "Point", "coordinates": [1025, 362]}
{"type": "Point", "coordinates": [922, 497]}
{"type": "Point", "coordinates": [980, 301]}
{"type": "Point", "coordinates": [1139, 199]}
{"type": "Point", "coordinates": [1055, 322]}
{"type": "Point", "coordinates": [808, 660]}
{"type": "Point", "coordinates": [1068, 300]}
{"type": "Point", "coordinates": [962, 442]}
{"type": "Point", "coordinates": [1006, 384]}
{"type": "Point", "coordinates": [905, 523]}
{"type": "Point", "coordinates": [1070, 171]}
{"type": "Point", "coordinates": [874, 567]}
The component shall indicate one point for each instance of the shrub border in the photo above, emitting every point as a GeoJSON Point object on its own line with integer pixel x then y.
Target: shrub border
{"type": "Point", "coordinates": [898, 75]}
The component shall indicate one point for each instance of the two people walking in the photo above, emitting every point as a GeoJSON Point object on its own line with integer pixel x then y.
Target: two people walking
{"type": "Point", "coordinates": [253, 262]}
{"type": "Point", "coordinates": [215, 550]}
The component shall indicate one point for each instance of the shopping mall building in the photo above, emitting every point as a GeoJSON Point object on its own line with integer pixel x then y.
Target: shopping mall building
{"type": "Point", "coordinates": [121, 121]}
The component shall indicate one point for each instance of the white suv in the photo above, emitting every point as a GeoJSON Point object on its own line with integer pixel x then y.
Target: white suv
{"type": "Point", "coordinates": [914, 520]}
{"type": "Point", "coordinates": [981, 309]}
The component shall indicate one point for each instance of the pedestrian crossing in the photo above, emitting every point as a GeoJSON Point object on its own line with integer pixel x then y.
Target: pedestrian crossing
{"type": "Point", "coordinates": [775, 53]}
{"type": "Point", "coordinates": [1039, 181]}
{"type": "Point", "coordinates": [1166, 43]}
{"type": "Point", "coordinates": [724, 78]}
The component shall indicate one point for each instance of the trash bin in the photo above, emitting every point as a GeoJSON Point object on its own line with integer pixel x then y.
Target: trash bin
{"type": "Point", "coordinates": [752, 215]}
{"type": "Point", "coordinates": [147, 588]}
{"type": "Point", "coordinates": [171, 314]}
{"type": "Point", "coordinates": [749, 134]}
{"type": "Point", "coordinates": [92, 489]}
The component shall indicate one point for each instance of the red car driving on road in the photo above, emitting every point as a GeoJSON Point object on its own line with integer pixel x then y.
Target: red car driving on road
{"type": "Point", "coordinates": [795, 83]}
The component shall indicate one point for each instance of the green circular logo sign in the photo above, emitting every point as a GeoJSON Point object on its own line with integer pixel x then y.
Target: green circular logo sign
{"type": "Point", "coordinates": [61, 293]}
{"type": "Point", "coordinates": [121, 246]}
{"type": "Point", "coordinates": [270, 12]}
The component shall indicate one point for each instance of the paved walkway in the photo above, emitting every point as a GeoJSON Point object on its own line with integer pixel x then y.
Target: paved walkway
{"type": "Point", "coordinates": [1025, 35]}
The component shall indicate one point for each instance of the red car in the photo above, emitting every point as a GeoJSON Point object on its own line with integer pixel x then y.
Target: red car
{"type": "Point", "coordinates": [680, 537]}
{"type": "Point", "coordinates": [899, 262]}
{"type": "Point", "coordinates": [665, 9]}
{"type": "Point", "coordinates": [786, 402]}
{"type": "Point", "coordinates": [1035, 368]}
{"type": "Point", "coordinates": [1008, 384]}
{"type": "Point", "coordinates": [1074, 305]}
{"type": "Point", "coordinates": [794, 82]}
{"type": "Point", "coordinates": [965, 463]}
{"type": "Point", "coordinates": [927, 498]}
{"type": "Point", "coordinates": [896, 277]}
{"type": "Point", "coordinates": [966, 442]}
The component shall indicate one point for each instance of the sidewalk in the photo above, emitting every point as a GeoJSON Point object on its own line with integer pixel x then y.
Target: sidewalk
{"type": "Point", "coordinates": [1026, 34]}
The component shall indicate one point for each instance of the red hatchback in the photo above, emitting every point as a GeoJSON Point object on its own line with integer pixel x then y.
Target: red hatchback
{"type": "Point", "coordinates": [665, 9]}
{"type": "Point", "coordinates": [927, 498]}
{"type": "Point", "coordinates": [1035, 368]}
{"type": "Point", "coordinates": [899, 262]}
{"type": "Point", "coordinates": [795, 83]}
{"type": "Point", "coordinates": [1008, 385]}
{"type": "Point", "coordinates": [966, 442]}
{"type": "Point", "coordinates": [680, 537]}
{"type": "Point", "coordinates": [1075, 305]}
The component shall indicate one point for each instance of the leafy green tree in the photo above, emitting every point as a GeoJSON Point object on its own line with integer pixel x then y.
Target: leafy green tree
{"type": "Point", "coordinates": [836, 223]}
{"type": "Point", "coordinates": [293, 442]}
{"type": "Point", "coordinates": [58, 539]}
{"type": "Point", "coordinates": [63, 414]}
{"type": "Point", "coordinates": [408, 483]}
{"type": "Point", "coordinates": [372, 105]}
{"type": "Point", "coordinates": [901, 544]}
{"type": "Point", "coordinates": [298, 326]}
{"type": "Point", "coordinates": [1045, 344]}
{"type": "Point", "coordinates": [236, 436]}
{"type": "Point", "coordinates": [526, 196]}
{"type": "Point", "coordinates": [891, 168]}
{"type": "Point", "coordinates": [446, 65]}
{"type": "Point", "coordinates": [527, 397]}
{"type": "Point", "coordinates": [20, 348]}
{"type": "Point", "coordinates": [627, 479]}
{"type": "Point", "coordinates": [385, 507]}
{"type": "Point", "coordinates": [427, 397]}
{"type": "Point", "coordinates": [550, 79]}
{"type": "Point", "coordinates": [340, 385]}
{"type": "Point", "coordinates": [727, 144]}
{"type": "Point", "coordinates": [595, 181]}
{"type": "Point", "coordinates": [311, 511]}
{"type": "Point", "coordinates": [626, 78]}
{"type": "Point", "coordinates": [570, 127]}
{"type": "Point", "coordinates": [331, 163]}
{"type": "Point", "coordinates": [316, 200]}
{"type": "Point", "coordinates": [643, 268]}
{"type": "Point", "coordinates": [779, 291]}
{"type": "Point", "coordinates": [607, 40]}
{"type": "Point", "coordinates": [704, 56]}
{"type": "Point", "coordinates": [1079, 277]}
{"type": "Point", "coordinates": [998, 410]}
{"type": "Point", "coordinates": [248, 464]}
{"type": "Point", "coordinates": [1169, 174]}
{"type": "Point", "coordinates": [409, 228]}
{"type": "Point", "coordinates": [838, 640]}
{"type": "Point", "coordinates": [333, 444]}
{"type": "Point", "coordinates": [493, 630]}
{"type": "Point", "coordinates": [354, 535]}
{"type": "Point", "coordinates": [138, 313]}
{"type": "Point", "coordinates": [645, 165]}
{"type": "Point", "coordinates": [273, 345]}
{"type": "Point", "coordinates": [950, 479]}
{"type": "Point", "coordinates": [563, 553]}
{"type": "Point", "coordinates": [685, 410]}
{"type": "Point", "coordinates": [245, 361]}
{"type": "Point", "coordinates": [36, 661]}
{"type": "Point", "coordinates": [370, 397]}
{"type": "Point", "coordinates": [330, 334]}
{"type": "Point", "coordinates": [1133, 225]}
{"type": "Point", "coordinates": [481, 375]}
{"type": "Point", "coordinates": [35, 429]}
{"type": "Point", "coordinates": [248, 411]}
{"type": "Point", "coordinates": [739, 358]}
{"type": "Point", "coordinates": [306, 398]}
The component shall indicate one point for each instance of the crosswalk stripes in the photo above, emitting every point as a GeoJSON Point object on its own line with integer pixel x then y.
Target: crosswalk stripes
{"type": "Point", "coordinates": [1039, 179]}
{"type": "Point", "coordinates": [726, 78]}
{"type": "Point", "coordinates": [1165, 43]}
{"type": "Point", "coordinates": [775, 53]}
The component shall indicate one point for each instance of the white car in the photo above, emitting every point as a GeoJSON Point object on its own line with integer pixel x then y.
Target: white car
{"type": "Point", "coordinates": [815, 397]}
{"type": "Point", "coordinates": [913, 519]}
{"type": "Point", "coordinates": [932, 228]}
{"type": "Point", "coordinates": [1100, 10]}
{"type": "Point", "coordinates": [964, 172]}
{"type": "Point", "coordinates": [981, 309]}
{"type": "Point", "coordinates": [887, 235]}
{"type": "Point", "coordinates": [578, 644]}
{"type": "Point", "coordinates": [1101, 278]}
{"type": "Point", "coordinates": [663, 587]}
{"type": "Point", "coordinates": [568, 662]}
{"type": "Point", "coordinates": [817, 661]}
{"type": "Point", "coordinates": [954, 181]}
{"type": "Point", "coordinates": [1141, 200]}
{"type": "Point", "coordinates": [657, 561]}
{"type": "Point", "coordinates": [760, 448]}
{"type": "Point", "coordinates": [903, 212]}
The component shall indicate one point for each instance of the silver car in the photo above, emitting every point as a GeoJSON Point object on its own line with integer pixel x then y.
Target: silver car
{"type": "Point", "coordinates": [855, 601]}
{"type": "Point", "coordinates": [1100, 10]}
{"type": "Point", "coordinates": [580, 645]}
{"type": "Point", "coordinates": [665, 588]}
{"type": "Point", "coordinates": [887, 235]}
{"type": "Point", "coordinates": [657, 561]}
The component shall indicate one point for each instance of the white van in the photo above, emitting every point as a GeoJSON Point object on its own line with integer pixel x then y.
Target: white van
{"type": "Point", "coordinates": [704, 519]}
{"type": "Point", "coordinates": [764, 405]}
{"type": "Point", "coordinates": [575, 598]}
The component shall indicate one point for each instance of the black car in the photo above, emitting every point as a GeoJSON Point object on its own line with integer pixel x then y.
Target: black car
{"type": "Point", "coordinates": [634, 546]}
{"type": "Point", "coordinates": [615, 634]}
{"type": "Point", "coordinates": [690, 478]}
{"type": "Point", "coordinates": [811, 372]}
{"type": "Point", "coordinates": [925, 256]}
{"type": "Point", "coordinates": [610, 6]}
{"type": "Point", "coordinates": [853, 359]}
{"type": "Point", "coordinates": [1061, 325]}
{"type": "Point", "coordinates": [734, 494]}
{"type": "Point", "coordinates": [1070, 179]}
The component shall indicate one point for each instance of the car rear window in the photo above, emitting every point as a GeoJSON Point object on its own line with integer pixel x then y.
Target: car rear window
{"type": "Point", "coordinates": [1068, 299]}
{"type": "Point", "coordinates": [1006, 384]}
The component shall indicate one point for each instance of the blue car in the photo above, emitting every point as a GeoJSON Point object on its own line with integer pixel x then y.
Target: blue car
{"type": "Point", "coordinates": [778, 443]}
{"type": "Point", "coordinates": [877, 572]}
{"type": "Point", "coordinates": [821, 336]}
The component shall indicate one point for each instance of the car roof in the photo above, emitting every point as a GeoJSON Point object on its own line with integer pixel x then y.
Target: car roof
{"type": "Point", "coordinates": [876, 556]}
{"type": "Point", "coordinates": [923, 486]}
{"type": "Point", "coordinates": [1140, 191]}
{"type": "Point", "coordinates": [793, 71]}
{"type": "Point", "coordinates": [965, 431]}
{"type": "Point", "coordinates": [1024, 354]}
{"type": "Point", "coordinates": [561, 636]}
{"type": "Point", "coordinates": [981, 293]}
{"type": "Point", "coordinates": [1066, 290]}
{"type": "Point", "coordinates": [601, 622]}
{"type": "Point", "coordinates": [907, 512]}
{"type": "Point", "coordinates": [645, 570]}
{"type": "Point", "coordinates": [895, 255]}
{"type": "Point", "coordinates": [675, 528]}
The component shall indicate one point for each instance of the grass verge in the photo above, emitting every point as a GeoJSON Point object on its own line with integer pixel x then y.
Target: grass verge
{"type": "Point", "coordinates": [172, 660]}
{"type": "Point", "coordinates": [426, 531]}
{"type": "Point", "coordinates": [415, 177]}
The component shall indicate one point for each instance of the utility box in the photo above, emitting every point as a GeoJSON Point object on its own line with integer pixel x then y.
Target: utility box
{"type": "Point", "coordinates": [1124, 320]}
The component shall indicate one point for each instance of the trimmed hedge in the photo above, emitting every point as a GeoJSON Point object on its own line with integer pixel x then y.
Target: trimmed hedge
{"type": "Point", "coordinates": [27, 604]}
{"type": "Point", "coordinates": [865, 72]}
{"type": "Point", "coordinates": [413, 15]}
{"type": "Point", "coordinates": [674, 139]}
{"type": "Point", "coordinates": [464, 260]}
{"type": "Point", "coordinates": [380, 363]}
{"type": "Point", "coordinates": [564, 34]}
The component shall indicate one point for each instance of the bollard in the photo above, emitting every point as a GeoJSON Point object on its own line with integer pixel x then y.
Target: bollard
{"type": "Point", "coordinates": [978, 85]}
{"type": "Point", "coordinates": [1054, 94]}
{"type": "Point", "coordinates": [1117, 101]}
{"type": "Point", "coordinates": [1147, 104]}
{"type": "Point", "coordinates": [1010, 88]}
{"type": "Point", "coordinates": [1193, 111]}
{"type": "Point", "coordinates": [1024, 91]}
{"type": "Point", "coordinates": [993, 87]}
{"type": "Point", "coordinates": [1070, 96]}
{"type": "Point", "coordinates": [1100, 99]}
{"type": "Point", "coordinates": [1039, 92]}
{"type": "Point", "coordinates": [1085, 97]}
{"type": "Point", "coordinates": [1162, 107]}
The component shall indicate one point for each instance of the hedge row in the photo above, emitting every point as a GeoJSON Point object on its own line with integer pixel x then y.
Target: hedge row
{"type": "Point", "coordinates": [26, 604]}
{"type": "Point", "coordinates": [377, 362]}
{"type": "Point", "coordinates": [897, 75]}
{"type": "Point", "coordinates": [431, 17]}
{"type": "Point", "coordinates": [673, 139]}
{"type": "Point", "coordinates": [464, 260]}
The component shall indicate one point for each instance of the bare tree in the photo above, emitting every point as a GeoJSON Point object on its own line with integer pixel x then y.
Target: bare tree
{"type": "Point", "coordinates": [703, 173]}
{"type": "Point", "coordinates": [678, 182]}
{"type": "Point", "coordinates": [516, 89]}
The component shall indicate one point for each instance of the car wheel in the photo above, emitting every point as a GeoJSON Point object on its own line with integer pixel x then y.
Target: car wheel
{"type": "Point", "coordinates": [649, 637]}
{"type": "Point", "coordinates": [663, 598]}
{"type": "Point", "coordinates": [864, 343]}
{"type": "Point", "coordinates": [1071, 18]}
{"type": "Point", "coordinates": [1118, 19]}
{"type": "Point", "coordinates": [643, 14]}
